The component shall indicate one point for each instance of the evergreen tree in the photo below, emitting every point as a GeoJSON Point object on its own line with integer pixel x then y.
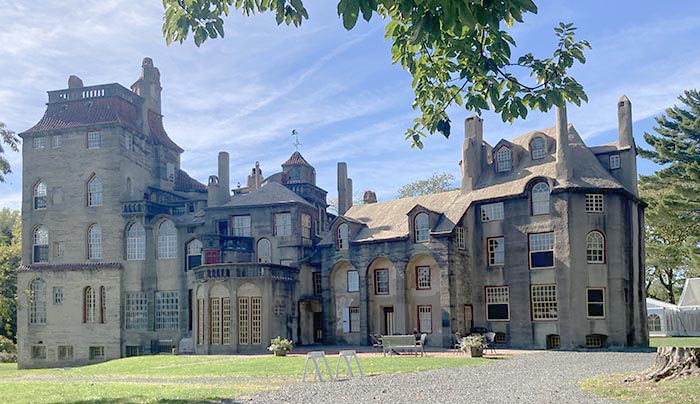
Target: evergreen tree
{"type": "Point", "coordinates": [10, 259]}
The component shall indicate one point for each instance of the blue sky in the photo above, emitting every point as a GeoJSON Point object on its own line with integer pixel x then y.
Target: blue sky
{"type": "Point", "coordinates": [245, 93]}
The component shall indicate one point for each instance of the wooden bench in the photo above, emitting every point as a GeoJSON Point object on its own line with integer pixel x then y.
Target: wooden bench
{"type": "Point", "coordinates": [391, 343]}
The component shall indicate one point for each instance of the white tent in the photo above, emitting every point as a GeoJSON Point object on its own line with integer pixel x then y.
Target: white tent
{"type": "Point", "coordinates": [666, 319]}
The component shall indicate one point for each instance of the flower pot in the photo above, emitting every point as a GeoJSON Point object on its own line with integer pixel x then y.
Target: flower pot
{"type": "Point", "coordinates": [475, 352]}
{"type": "Point", "coordinates": [280, 352]}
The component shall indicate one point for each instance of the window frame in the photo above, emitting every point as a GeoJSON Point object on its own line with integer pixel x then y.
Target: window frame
{"type": "Point", "coordinates": [540, 203]}
{"type": "Point", "coordinates": [656, 321]}
{"type": "Point", "coordinates": [135, 242]}
{"type": "Point", "coordinates": [499, 161]}
{"type": "Point", "coordinates": [306, 226]}
{"type": "Point", "coordinates": [461, 238]}
{"type": "Point", "coordinates": [377, 291]}
{"type": "Point", "coordinates": [493, 303]}
{"type": "Point", "coordinates": [595, 203]}
{"type": "Point", "coordinates": [89, 305]}
{"type": "Point", "coordinates": [39, 142]}
{"type": "Point", "coordinates": [167, 310]}
{"type": "Point", "coordinates": [94, 242]}
{"type": "Point", "coordinates": [601, 303]}
{"type": "Point", "coordinates": [354, 326]}
{"type": "Point", "coordinates": [419, 320]}
{"type": "Point", "coordinates": [282, 229]}
{"type": "Point", "coordinates": [40, 194]}
{"type": "Point", "coordinates": [342, 237]}
{"type": "Point", "coordinates": [491, 255]}
{"type": "Point", "coordinates": [90, 136]}
{"type": "Point", "coordinates": [40, 252]}
{"type": "Point", "coordinates": [167, 242]}
{"type": "Point", "coordinates": [58, 295]}
{"type": "Point", "coordinates": [37, 302]}
{"type": "Point", "coordinates": [188, 253]}
{"type": "Point", "coordinates": [317, 283]}
{"type": "Point", "coordinates": [618, 161]}
{"type": "Point", "coordinates": [530, 251]}
{"type": "Point", "coordinates": [423, 229]}
{"type": "Point", "coordinates": [95, 191]}
{"type": "Point", "coordinates": [263, 259]}
{"type": "Point", "coordinates": [245, 229]}
{"type": "Point", "coordinates": [544, 303]}
{"type": "Point", "coordinates": [598, 255]}
{"type": "Point", "coordinates": [347, 280]}
{"type": "Point", "coordinates": [56, 141]}
{"type": "Point", "coordinates": [541, 152]}
{"type": "Point", "coordinates": [496, 209]}
{"type": "Point", "coordinates": [418, 277]}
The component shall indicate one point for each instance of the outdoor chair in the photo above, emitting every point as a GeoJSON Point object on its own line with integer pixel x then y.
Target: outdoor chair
{"type": "Point", "coordinates": [457, 341]}
{"type": "Point", "coordinates": [489, 338]}
{"type": "Point", "coordinates": [376, 342]}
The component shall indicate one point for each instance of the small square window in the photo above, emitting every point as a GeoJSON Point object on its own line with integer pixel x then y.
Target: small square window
{"type": "Point", "coordinates": [94, 140]}
{"type": "Point", "coordinates": [57, 295]}
{"type": "Point", "coordinates": [595, 341]}
{"type": "Point", "coordinates": [65, 352]}
{"type": "Point", "coordinates": [595, 203]}
{"type": "Point", "coordinates": [39, 143]}
{"type": "Point", "coordinates": [97, 352]}
{"type": "Point", "coordinates": [56, 141]}
{"type": "Point", "coordinates": [614, 161]}
{"type": "Point", "coordinates": [38, 352]}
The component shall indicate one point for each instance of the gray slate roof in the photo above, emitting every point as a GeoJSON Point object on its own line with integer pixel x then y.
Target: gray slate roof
{"type": "Point", "coordinates": [387, 220]}
{"type": "Point", "coordinates": [270, 193]}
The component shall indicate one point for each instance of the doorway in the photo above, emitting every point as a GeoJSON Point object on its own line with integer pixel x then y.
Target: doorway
{"type": "Point", "coordinates": [388, 320]}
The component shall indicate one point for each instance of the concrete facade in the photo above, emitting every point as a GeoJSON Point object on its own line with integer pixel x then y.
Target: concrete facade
{"type": "Point", "coordinates": [126, 254]}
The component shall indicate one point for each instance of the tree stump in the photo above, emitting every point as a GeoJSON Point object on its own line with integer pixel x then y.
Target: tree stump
{"type": "Point", "coordinates": [671, 362]}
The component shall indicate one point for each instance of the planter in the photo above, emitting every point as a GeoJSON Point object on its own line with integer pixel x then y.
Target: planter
{"type": "Point", "coordinates": [475, 352]}
{"type": "Point", "coordinates": [280, 352]}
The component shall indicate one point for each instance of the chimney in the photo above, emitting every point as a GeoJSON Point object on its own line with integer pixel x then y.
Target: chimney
{"type": "Point", "coordinates": [624, 122]}
{"type": "Point", "coordinates": [148, 85]}
{"type": "Point", "coordinates": [348, 194]}
{"type": "Point", "coordinates": [471, 152]}
{"type": "Point", "coordinates": [563, 155]}
{"type": "Point", "coordinates": [342, 190]}
{"type": "Point", "coordinates": [369, 197]}
{"type": "Point", "coordinates": [255, 178]}
{"type": "Point", "coordinates": [224, 185]}
{"type": "Point", "coordinates": [75, 82]}
{"type": "Point", "coordinates": [213, 197]}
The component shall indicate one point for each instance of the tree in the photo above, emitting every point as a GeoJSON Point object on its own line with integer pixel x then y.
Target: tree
{"type": "Point", "coordinates": [436, 183]}
{"type": "Point", "coordinates": [455, 50]}
{"type": "Point", "coordinates": [8, 137]}
{"type": "Point", "coordinates": [10, 259]}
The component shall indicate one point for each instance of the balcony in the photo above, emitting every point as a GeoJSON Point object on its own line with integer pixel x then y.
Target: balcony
{"type": "Point", "coordinates": [99, 91]}
{"type": "Point", "coordinates": [246, 270]}
{"type": "Point", "coordinates": [143, 207]}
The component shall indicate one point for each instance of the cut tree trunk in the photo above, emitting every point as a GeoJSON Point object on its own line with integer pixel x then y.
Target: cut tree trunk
{"type": "Point", "coordinates": [671, 362]}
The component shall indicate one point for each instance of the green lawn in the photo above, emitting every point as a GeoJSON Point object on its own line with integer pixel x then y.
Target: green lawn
{"type": "Point", "coordinates": [183, 379]}
{"type": "Point", "coordinates": [675, 341]}
{"type": "Point", "coordinates": [680, 391]}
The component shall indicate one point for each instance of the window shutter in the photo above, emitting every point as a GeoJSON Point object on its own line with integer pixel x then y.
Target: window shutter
{"type": "Point", "coordinates": [346, 319]}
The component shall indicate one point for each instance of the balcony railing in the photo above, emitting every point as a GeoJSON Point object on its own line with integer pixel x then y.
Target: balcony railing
{"type": "Point", "coordinates": [86, 93]}
{"type": "Point", "coordinates": [246, 270]}
{"type": "Point", "coordinates": [143, 207]}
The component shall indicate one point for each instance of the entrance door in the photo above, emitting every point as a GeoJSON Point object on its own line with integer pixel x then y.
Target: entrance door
{"type": "Point", "coordinates": [388, 321]}
{"type": "Point", "coordinates": [318, 327]}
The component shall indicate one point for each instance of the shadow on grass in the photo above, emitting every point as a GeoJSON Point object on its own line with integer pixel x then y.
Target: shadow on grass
{"type": "Point", "coordinates": [138, 400]}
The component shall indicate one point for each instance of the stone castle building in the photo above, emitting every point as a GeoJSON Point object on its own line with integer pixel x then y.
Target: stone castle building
{"type": "Point", "coordinates": [126, 254]}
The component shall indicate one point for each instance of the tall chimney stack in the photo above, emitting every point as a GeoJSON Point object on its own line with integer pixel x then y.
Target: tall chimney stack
{"type": "Point", "coordinates": [624, 122]}
{"type": "Point", "coordinates": [348, 194]}
{"type": "Point", "coordinates": [563, 154]}
{"type": "Point", "coordinates": [471, 152]}
{"type": "Point", "coordinates": [342, 188]}
{"type": "Point", "coordinates": [224, 184]}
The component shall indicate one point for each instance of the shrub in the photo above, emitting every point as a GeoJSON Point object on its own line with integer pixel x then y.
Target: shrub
{"type": "Point", "coordinates": [8, 350]}
{"type": "Point", "coordinates": [280, 346]}
{"type": "Point", "coordinates": [472, 341]}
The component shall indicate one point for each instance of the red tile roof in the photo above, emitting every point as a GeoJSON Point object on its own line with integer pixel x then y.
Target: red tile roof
{"type": "Point", "coordinates": [296, 159]}
{"type": "Point", "coordinates": [185, 183]}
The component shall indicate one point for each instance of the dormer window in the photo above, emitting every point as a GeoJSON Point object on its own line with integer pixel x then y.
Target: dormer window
{"type": "Point", "coordinates": [422, 228]}
{"type": "Point", "coordinates": [343, 237]}
{"type": "Point", "coordinates": [538, 148]}
{"type": "Point", "coordinates": [614, 161]}
{"type": "Point", "coordinates": [504, 160]}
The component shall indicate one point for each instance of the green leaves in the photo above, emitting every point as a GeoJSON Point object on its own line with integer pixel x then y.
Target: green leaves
{"type": "Point", "coordinates": [455, 50]}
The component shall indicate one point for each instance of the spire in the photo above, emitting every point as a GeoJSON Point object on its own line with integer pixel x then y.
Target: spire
{"type": "Point", "coordinates": [564, 169]}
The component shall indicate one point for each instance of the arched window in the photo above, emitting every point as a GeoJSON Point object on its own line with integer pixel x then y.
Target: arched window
{"type": "Point", "coordinates": [422, 226]}
{"type": "Point", "coordinates": [343, 237]}
{"type": "Point", "coordinates": [538, 148]}
{"type": "Point", "coordinates": [167, 240]}
{"type": "Point", "coordinates": [37, 302]}
{"type": "Point", "coordinates": [95, 242]}
{"type": "Point", "coordinates": [41, 244]}
{"type": "Point", "coordinates": [540, 199]}
{"type": "Point", "coordinates": [40, 195]}
{"type": "Point", "coordinates": [135, 242]}
{"type": "Point", "coordinates": [504, 160]}
{"type": "Point", "coordinates": [595, 247]}
{"type": "Point", "coordinates": [194, 254]}
{"type": "Point", "coordinates": [654, 322]}
{"type": "Point", "coordinates": [94, 191]}
{"type": "Point", "coordinates": [103, 304]}
{"type": "Point", "coordinates": [264, 250]}
{"type": "Point", "coordinates": [88, 305]}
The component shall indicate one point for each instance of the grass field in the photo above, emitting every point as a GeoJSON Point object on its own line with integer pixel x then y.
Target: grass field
{"type": "Point", "coordinates": [674, 341]}
{"type": "Point", "coordinates": [681, 391]}
{"type": "Point", "coordinates": [183, 379]}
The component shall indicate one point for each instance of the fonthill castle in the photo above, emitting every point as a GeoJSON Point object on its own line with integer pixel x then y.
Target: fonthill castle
{"type": "Point", "coordinates": [125, 254]}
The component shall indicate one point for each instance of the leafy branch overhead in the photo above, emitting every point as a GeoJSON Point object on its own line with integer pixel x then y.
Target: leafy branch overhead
{"type": "Point", "coordinates": [457, 51]}
{"type": "Point", "coordinates": [7, 137]}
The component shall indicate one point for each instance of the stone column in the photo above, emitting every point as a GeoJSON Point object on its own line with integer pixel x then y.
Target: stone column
{"type": "Point", "coordinates": [400, 313]}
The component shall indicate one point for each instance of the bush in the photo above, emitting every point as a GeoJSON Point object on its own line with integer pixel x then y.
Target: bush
{"type": "Point", "coordinates": [8, 350]}
{"type": "Point", "coordinates": [472, 341]}
{"type": "Point", "coordinates": [280, 346]}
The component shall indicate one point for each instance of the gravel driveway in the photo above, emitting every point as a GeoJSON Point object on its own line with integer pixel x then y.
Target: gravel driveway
{"type": "Point", "coordinates": [546, 377]}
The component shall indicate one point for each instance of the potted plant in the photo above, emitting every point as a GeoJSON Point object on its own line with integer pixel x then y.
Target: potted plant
{"type": "Point", "coordinates": [280, 346]}
{"type": "Point", "coordinates": [473, 345]}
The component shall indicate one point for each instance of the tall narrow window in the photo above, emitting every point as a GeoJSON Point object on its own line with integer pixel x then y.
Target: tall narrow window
{"type": "Point", "coordinates": [56, 141]}
{"type": "Point", "coordinates": [40, 195]}
{"type": "Point", "coordinates": [167, 310]}
{"type": "Point", "coordinates": [425, 319]}
{"type": "Point", "coordinates": [654, 321]}
{"type": "Point", "coordinates": [353, 319]}
{"type": "Point", "coordinates": [595, 248]}
{"type": "Point", "coordinates": [244, 320]}
{"type": "Point", "coordinates": [541, 247]}
{"type": "Point", "coordinates": [103, 305]}
{"type": "Point", "coordinates": [256, 320]}
{"type": "Point", "coordinates": [95, 242]}
{"type": "Point", "coordinates": [225, 320]}
{"type": "Point", "coordinates": [595, 299]}
{"type": "Point", "coordinates": [614, 161]}
{"type": "Point", "coordinates": [167, 240]}
{"type": "Point", "coordinates": [37, 302]}
{"type": "Point", "coordinates": [497, 303]}
{"type": "Point", "coordinates": [200, 321]}
{"type": "Point", "coordinates": [504, 160]}
{"type": "Point", "coordinates": [381, 281]}
{"type": "Point", "coordinates": [343, 236]}
{"type": "Point", "coordinates": [540, 199]}
{"type": "Point", "coordinates": [136, 242]}
{"type": "Point", "coordinates": [353, 281]}
{"type": "Point", "coordinates": [283, 224]}
{"type": "Point", "coordinates": [305, 226]}
{"type": "Point", "coordinates": [89, 305]}
{"type": "Point", "coordinates": [215, 320]}
{"type": "Point", "coordinates": [544, 302]}
{"type": "Point", "coordinates": [241, 226]}
{"type": "Point", "coordinates": [41, 244]}
{"type": "Point", "coordinates": [194, 254]}
{"type": "Point", "coordinates": [135, 311]}
{"type": "Point", "coordinates": [264, 251]}
{"type": "Point", "coordinates": [423, 277]}
{"type": "Point", "coordinates": [94, 140]}
{"type": "Point", "coordinates": [95, 191]}
{"type": "Point", "coordinates": [318, 285]}
{"type": "Point", "coordinates": [461, 238]}
{"type": "Point", "coordinates": [497, 251]}
{"type": "Point", "coordinates": [537, 148]}
{"type": "Point", "coordinates": [422, 227]}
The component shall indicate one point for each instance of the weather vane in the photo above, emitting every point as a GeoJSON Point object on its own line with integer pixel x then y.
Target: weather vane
{"type": "Point", "coordinates": [296, 139]}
